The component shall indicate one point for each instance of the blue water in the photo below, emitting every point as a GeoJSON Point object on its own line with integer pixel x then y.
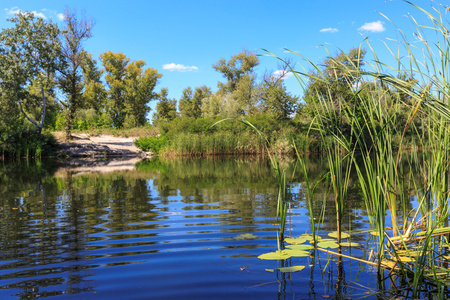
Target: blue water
{"type": "Point", "coordinates": [165, 230]}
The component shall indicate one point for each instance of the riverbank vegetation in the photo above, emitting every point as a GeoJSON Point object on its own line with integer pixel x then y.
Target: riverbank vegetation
{"type": "Point", "coordinates": [366, 118]}
{"type": "Point", "coordinates": [59, 86]}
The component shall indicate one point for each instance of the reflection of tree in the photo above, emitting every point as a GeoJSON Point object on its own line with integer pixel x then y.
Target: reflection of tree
{"type": "Point", "coordinates": [55, 231]}
{"type": "Point", "coordinates": [49, 234]}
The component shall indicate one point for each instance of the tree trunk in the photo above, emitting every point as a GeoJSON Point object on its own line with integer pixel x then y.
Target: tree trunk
{"type": "Point", "coordinates": [41, 124]}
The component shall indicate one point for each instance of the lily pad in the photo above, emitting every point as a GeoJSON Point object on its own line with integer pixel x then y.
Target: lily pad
{"type": "Point", "coordinates": [277, 255]}
{"type": "Point", "coordinates": [328, 244]}
{"type": "Point", "coordinates": [350, 244]}
{"type": "Point", "coordinates": [245, 236]}
{"type": "Point", "coordinates": [287, 269]}
{"type": "Point", "coordinates": [300, 247]}
{"type": "Point", "coordinates": [295, 241]}
{"type": "Point", "coordinates": [334, 234]}
{"type": "Point", "coordinates": [297, 253]}
{"type": "Point", "coordinates": [327, 240]}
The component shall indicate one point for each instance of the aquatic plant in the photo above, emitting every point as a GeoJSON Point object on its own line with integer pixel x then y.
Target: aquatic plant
{"type": "Point", "coordinates": [380, 110]}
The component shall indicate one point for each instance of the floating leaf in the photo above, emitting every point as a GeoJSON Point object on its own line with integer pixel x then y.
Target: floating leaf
{"type": "Point", "coordinates": [300, 247]}
{"type": "Point", "coordinates": [278, 255]}
{"type": "Point", "coordinates": [328, 244]}
{"type": "Point", "coordinates": [334, 234]}
{"type": "Point", "coordinates": [287, 269]}
{"type": "Point", "coordinates": [245, 236]}
{"type": "Point", "coordinates": [300, 239]}
{"type": "Point", "coordinates": [291, 269]}
{"type": "Point", "coordinates": [295, 241]}
{"type": "Point", "coordinates": [327, 240]}
{"type": "Point", "coordinates": [375, 233]}
{"type": "Point", "coordinates": [350, 244]}
{"type": "Point", "coordinates": [297, 253]}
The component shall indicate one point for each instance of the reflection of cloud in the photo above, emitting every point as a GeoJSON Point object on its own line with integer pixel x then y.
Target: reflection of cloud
{"type": "Point", "coordinates": [179, 67]}
{"type": "Point", "coordinates": [373, 27]}
{"type": "Point", "coordinates": [329, 29]}
{"type": "Point", "coordinates": [282, 73]}
{"type": "Point", "coordinates": [15, 10]}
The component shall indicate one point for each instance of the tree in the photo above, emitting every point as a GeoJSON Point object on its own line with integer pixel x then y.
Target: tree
{"type": "Point", "coordinates": [70, 80]}
{"type": "Point", "coordinates": [30, 53]}
{"type": "Point", "coordinates": [334, 87]}
{"type": "Point", "coordinates": [274, 98]}
{"type": "Point", "coordinates": [115, 65]}
{"type": "Point", "coordinates": [166, 109]}
{"type": "Point", "coordinates": [339, 74]}
{"type": "Point", "coordinates": [139, 85]}
{"type": "Point", "coordinates": [190, 104]}
{"type": "Point", "coordinates": [239, 72]}
{"type": "Point", "coordinates": [239, 65]}
{"type": "Point", "coordinates": [94, 95]}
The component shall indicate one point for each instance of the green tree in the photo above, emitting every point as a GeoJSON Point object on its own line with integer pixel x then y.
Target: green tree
{"type": "Point", "coordinates": [166, 109]}
{"type": "Point", "coordinates": [274, 98]}
{"type": "Point", "coordinates": [95, 94]}
{"type": "Point", "coordinates": [139, 86]}
{"type": "Point", "coordinates": [335, 84]}
{"type": "Point", "coordinates": [30, 53]}
{"type": "Point", "coordinates": [237, 92]}
{"type": "Point", "coordinates": [190, 104]}
{"type": "Point", "coordinates": [71, 76]}
{"type": "Point", "coordinates": [335, 80]}
{"type": "Point", "coordinates": [239, 65]}
{"type": "Point", "coordinates": [115, 65]}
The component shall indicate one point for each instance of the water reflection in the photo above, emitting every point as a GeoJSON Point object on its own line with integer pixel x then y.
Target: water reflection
{"type": "Point", "coordinates": [162, 229]}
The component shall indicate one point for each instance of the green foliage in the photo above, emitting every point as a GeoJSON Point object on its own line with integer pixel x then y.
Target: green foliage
{"type": "Point", "coordinates": [139, 85]}
{"type": "Point", "coordinates": [70, 80]}
{"type": "Point", "coordinates": [154, 144]}
{"type": "Point", "coordinates": [190, 105]}
{"type": "Point", "coordinates": [26, 142]}
{"type": "Point", "coordinates": [274, 98]}
{"type": "Point", "coordinates": [30, 53]}
{"type": "Point", "coordinates": [115, 65]}
{"type": "Point", "coordinates": [166, 109]}
{"type": "Point", "coordinates": [233, 70]}
{"type": "Point", "coordinates": [95, 94]}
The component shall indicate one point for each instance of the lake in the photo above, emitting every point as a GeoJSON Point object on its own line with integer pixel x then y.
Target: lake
{"type": "Point", "coordinates": [170, 229]}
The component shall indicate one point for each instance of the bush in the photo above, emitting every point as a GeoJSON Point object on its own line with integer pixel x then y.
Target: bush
{"type": "Point", "coordinates": [154, 144]}
{"type": "Point", "coordinates": [26, 142]}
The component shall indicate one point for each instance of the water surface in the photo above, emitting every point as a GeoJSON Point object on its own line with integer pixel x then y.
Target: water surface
{"type": "Point", "coordinates": [165, 229]}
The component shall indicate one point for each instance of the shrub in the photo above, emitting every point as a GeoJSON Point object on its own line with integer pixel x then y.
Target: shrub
{"type": "Point", "coordinates": [154, 144]}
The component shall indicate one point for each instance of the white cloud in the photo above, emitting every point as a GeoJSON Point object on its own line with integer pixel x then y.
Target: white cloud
{"type": "Point", "coordinates": [329, 29]}
{"type": "Point", "coordinates": [179, 67]}
{"type": "Point", "coordinates": [60, 16]}
{"type": "Point", "coordinates": [373, 27]}
{"type": "Point", "coordinates": [16, 10]}
{"type": "Point", "coordinates": [282, 73]}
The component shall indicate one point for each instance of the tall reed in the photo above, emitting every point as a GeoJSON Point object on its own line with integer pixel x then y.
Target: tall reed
{"type": "Point", "coordinates": [389, 105]}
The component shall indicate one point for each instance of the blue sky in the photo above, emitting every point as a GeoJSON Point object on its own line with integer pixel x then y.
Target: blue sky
{"type": "Point", "coordinates": [183, 39]}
